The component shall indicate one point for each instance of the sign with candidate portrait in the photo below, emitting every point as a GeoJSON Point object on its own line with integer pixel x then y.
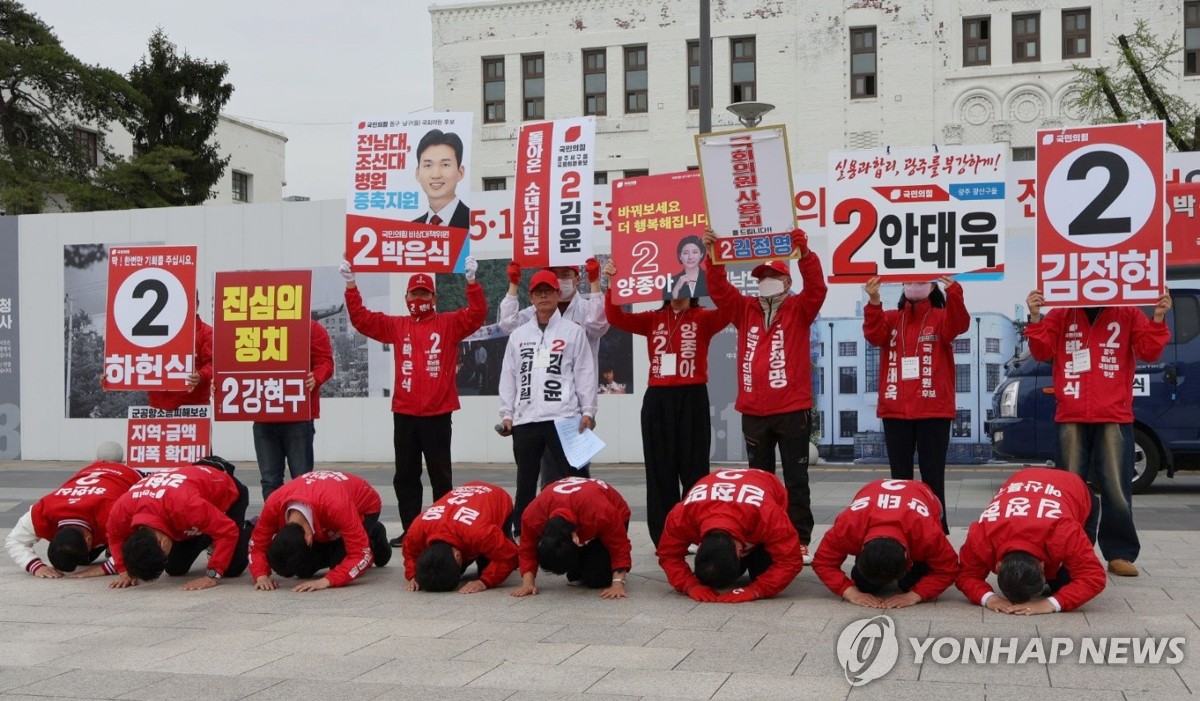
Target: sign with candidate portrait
{"type": "Point", "coordinates": [916, 214]}
{"type": "Point", "coordinates": [158, 439]}
{"type": "Point", "coordinates": [1100, 221]}
{"type": "Point", "coordinates": [748, 193]}
{"type": "Point", "coordinates": [658, 237]}
{"type": "Point", "coordinates": [552, 209]}
{"type": "Point", "coordinates": [261, 345]}
{"type": "Point", "coordinates": [150, 332]}
{"type": "Point", "coordinates": [405, 211]}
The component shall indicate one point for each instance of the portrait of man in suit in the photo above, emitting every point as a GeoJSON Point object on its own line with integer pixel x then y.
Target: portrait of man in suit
{"type": "Point", "coordinates": [439, 171]}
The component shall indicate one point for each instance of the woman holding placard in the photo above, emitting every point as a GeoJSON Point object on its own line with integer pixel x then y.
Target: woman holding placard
{"type": "Point", "coordinates": [916, 375]}
{"type": "Point", "coordinates": [676, 427]}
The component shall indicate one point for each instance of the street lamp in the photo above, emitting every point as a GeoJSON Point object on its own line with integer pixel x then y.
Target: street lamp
{"type": "Point", "coordinates": [750, 113]}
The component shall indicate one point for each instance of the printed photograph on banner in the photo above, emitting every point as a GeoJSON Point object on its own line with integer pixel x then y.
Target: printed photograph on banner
{"type": "Point", "coordinates": [262, 343]}
{"type": "Point", "coordinates": [150, 334]}
{"type": "Point", "coordinates": [553, 196]}
{"type": "Point", "coordinates": [10, 334]}
{"type": "Point", "coordinates": [1183, 229]}
{"type": "Point", "coordinates": [158, 439]}
{"type": "Point", "coordinates": [748, 193]}
{"type": "Point", "coordinates": [1100, 222]}
{"type": "Point", "coordinates": [85, 319]}
{"type": "Point", "coordinates": [481, 355]}
{"type": "Point", "coordinates": [362, 367]}
{"type": "Point", "coordinates": [406, 208]}
{"type": "Point", "coordinates": [916, 214]}
{"type": "Point", "coordinates": [657, 239]}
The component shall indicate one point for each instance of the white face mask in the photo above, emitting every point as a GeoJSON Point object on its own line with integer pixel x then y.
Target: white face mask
{"type": "Point", "coordinates": [567, 286]}
{"type": "Point", "coordinates": [917, 291]}
{"type": "Point", "coordinates": [769, 287]}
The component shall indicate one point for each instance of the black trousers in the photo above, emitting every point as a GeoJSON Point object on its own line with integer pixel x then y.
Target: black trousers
{"type": "Point", "coordinates": [327, 555]}
{"type": "Point", "coordinates": [184, 553]}
{"type": "Point", "coordinates": [414, 436]}
{"type": "Point", "coordinates": [676, 442]}
{"type": "Point", "coordinates": [930, 438]}
{"type": "Point", "coordinates": [481, 563]}
{"type": "Point", "coordinates": [530, 442]}
{"type": "Point", "coordinates": [905, 583]}
{"type": "Point", "coordinates": [789, 431]}
{"type": "Point", "coordinates": [756, 562]}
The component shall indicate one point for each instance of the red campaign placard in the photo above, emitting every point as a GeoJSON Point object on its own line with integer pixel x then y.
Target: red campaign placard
{"type": "Point", "coordinates": [261, 345]}
{"type": "Point", "coordinates": [532, 244]}
{"type": "Point", "coordinates": [150, 333]}
{"type": "Point", "coordinates": [160, 439]}
{"type": "Point", "coordinates": [658, 237]}
{"type": "Point", "coordinates": [375, 245]}
{"type": "Point", "coordinates": [1100, 223]}
{"type": "Point", "coordinates": [1183, 227]}
{"type": "Point", "coordinates": [553, 193]}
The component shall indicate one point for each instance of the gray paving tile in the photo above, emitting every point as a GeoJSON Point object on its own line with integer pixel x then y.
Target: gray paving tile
{"type": "Point", "coordinates": [177, 687]}
{"type": "Point", "coordinates": [14, 677]}
{"type": "Point", "coordinates": [227, 662]}
{"type": "Point", "coordinates": [427, 673]}
{"type": "Point", "coordinates": [402, 648]}
{"type": "Point", "coordinates": [534, 677]}
{"type": "Point", "coordinates": [1003, 692]}
{"type": "Point", "coordinates": [1125, 677]}
{"type": "Point", "coordinates": [490, 630]}
{"type": "Point", "coordinates": [514, 651]}
{"type": "Point", "coordinates": [776, 661]}
{"type": "Point", "coordinates": [755, 686]}
{"type": "Point", "coordinates": [336, 644]}
{"type": "Point", "coordinates": [90, 684]}
{"type": "Point", "coordinates": [704, 639]}
{"type": "Point", "coordinates": [291, 689]}
{"type": "Point", "coordinates": [330, 667]}
{"type": "Point", "coordinates": [663, 684]}
{"type": "Point", "coordinates": [593, 634]}
{"type": "Point", "coordinates": [628, 657]}
{"type": "Point", "coordinates": [889, 690]}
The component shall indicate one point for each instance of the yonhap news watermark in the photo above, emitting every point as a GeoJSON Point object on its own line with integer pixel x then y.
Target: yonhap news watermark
{"type": "Point", "coordinates": [869, 648]}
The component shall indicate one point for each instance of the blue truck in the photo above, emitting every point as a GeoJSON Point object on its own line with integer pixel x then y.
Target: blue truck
{"type": "Point", "coordinates": [1166, 403]}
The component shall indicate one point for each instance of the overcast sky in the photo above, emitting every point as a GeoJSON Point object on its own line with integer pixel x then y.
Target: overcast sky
{"type": "Point", "coordinates": [301, 67]}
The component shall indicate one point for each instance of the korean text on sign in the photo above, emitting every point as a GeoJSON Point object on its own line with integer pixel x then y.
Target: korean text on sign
{"type": "Point", "coordinates": [658, 227]}
{"type": "Point", "coordinates": [161, 439]}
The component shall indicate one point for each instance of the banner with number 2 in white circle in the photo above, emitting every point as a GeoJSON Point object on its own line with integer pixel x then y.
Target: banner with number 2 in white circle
{"type": "Point", "coordinates": [150, 336]}
{"type": "Point", "coordinates": [1100, 224]}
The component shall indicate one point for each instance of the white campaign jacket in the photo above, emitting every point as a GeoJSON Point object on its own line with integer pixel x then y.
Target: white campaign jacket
{"type": "Point", "coordinates": [565, 388]}
{"type": "Point", "coordinates": [585, 310]}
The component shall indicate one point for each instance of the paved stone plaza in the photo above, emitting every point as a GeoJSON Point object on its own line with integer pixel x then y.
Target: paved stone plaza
{"type": "Point", "coordinates": [77, 639]}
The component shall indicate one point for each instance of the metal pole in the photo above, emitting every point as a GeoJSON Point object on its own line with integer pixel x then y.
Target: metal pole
{"type": "Point", "coordinates": [70, 333]}
{"type": "Point", "coordinates": [978, 384]}
{"type": "Point", "coordinates": [829, 423]}
{"type": "Point", "coordinates": [705, 67]}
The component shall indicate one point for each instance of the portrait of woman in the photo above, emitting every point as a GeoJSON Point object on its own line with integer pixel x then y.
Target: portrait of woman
{"type": "Point", "coordinates": [688, 282]}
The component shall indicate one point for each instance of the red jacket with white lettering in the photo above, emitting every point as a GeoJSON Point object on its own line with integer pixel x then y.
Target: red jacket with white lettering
{"type": "Point", "coordinates": [339, 502]}
{"type": "Point", "coordinates": [904, 510]}
{"type": "Point", "coordinates": [203, 364]}
{"type": "Point", "coordinates": [1048, 524]}
{"type": "Point", "coordinates": [472, 519]}
{"type": "Point", "coordinates": [85, 500]}
{"type": "Point", "coordinates": [1103, 394]}
{"type": "Point", "coordinates": [320, 363]}
{"type": "Point", "coordinates": [927, 333]}
{"type": "Point", "coordinates": [596, 509]}
{"type": "Point", "coordinates": [772, 381]}
{"type": "Point", "coordinates": [748, 504]}
{"type": "Point", "coordinates": [425, 351]}
{"type": "Point", "coordinates": [183, 503]}
{"type": "Point", "coordinates": [686, 334]}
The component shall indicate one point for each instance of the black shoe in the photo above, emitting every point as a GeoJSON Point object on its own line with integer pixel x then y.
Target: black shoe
{"type": "Point", "coordinates": [397, 542]}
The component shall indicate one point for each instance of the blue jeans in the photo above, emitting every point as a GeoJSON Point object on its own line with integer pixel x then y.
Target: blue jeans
{"type": "Point", "coordinates": [274, 443]}
{"type": "Point", "coordinates": [1102, 454]}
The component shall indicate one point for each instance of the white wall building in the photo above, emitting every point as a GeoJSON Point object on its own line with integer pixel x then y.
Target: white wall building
{"type": "Point", "coordinates": [842, 75]}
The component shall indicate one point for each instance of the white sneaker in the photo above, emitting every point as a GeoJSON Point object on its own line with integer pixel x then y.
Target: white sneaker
{"type": "Point", "coordinates": [805, 555]}
{"type": "Point", "coordinates": [693, 549]}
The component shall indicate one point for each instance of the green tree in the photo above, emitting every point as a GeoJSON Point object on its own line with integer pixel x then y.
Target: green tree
{"type": "Point", "coordinates": [1134, 89]}
{"type": "Point", "coordinates": [183, 101]}
{"type": "Point", "coordinates": [45, 92]}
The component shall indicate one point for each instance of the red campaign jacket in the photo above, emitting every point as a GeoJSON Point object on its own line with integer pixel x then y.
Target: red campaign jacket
{"type": "Point", "coordinates": [1040, 511]}
{"type": "Point", "coordinates": [596, 509]}
{"type": "Point", "coordinates": [202, 392]}
{"type": "Point", "coordinates": [320, 363]}
{"type": "Point", "coordinates": [470, 518]}
{"type": "Point", "coordinates": [748, 504]}
{"type": "Point", "coordinates": [84, 500]}
{"type": "Point", "coordinates": [425, 352]}
{"type": "Point", "coordinates": [687, 335]}
{"type": "Point", "coordinates": [928, 333]}
{"type": "Point", "coordinates": [339, 502]}
{"type": "Point", "coordinates": [904, 510]}
{"type": "Point", "coordinates": [774, 367]}
{"type": "Point", "coordinates": [1103, 394]}
{"type": "Point", "coordinates": [184, 503]}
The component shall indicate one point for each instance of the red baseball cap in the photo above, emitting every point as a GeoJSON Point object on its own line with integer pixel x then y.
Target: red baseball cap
{"type": "Point", "coordinates": [776, 266]}
{"type": "Point", "coordinates": [421, 281]}
{"type": "Point", "coordinates": [554, 268]}
{"type": "Point", "coordinates": [543, 277]}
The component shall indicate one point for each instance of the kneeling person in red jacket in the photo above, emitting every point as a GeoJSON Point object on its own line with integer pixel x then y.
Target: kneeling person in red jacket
{"type": "Point", "coordinates": [578, 527]}
{"type": "Point", "coordinates": [320, 520]}
{"type": "Point", "coordinates": [469, 524]}
{"type": "Point", "coordinates": [166, 520]}
{"type": "Point", "coordinates": [1038, 536]}
{"type": "Point", "coordinates": [894, 530]}
{"type": "Point", "coordinates": [740, 520]}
